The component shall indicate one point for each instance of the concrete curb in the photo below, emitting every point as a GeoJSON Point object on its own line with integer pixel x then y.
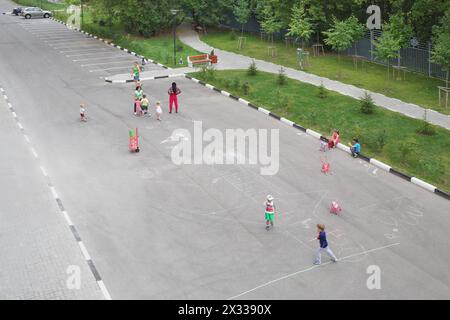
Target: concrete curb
{"type": "Point", "coordinates": [319, 136]}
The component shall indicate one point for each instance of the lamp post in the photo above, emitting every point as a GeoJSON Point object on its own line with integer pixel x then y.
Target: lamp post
{"type": "Point", "coordinates": [174, 13]}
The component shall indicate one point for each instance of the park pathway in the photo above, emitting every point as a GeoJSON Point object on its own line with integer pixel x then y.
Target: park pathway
{"type": "Point", "coordinates": [230, 61]}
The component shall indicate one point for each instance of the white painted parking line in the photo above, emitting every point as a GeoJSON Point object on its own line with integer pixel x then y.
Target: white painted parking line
{"type": "Point", "coordinates": [102, 51]}
{"type": "Point", "coordinates": [79, 46]}
{"type": "Point", "coordinates": [114, 68]}
{"type": "Point", "coordinates": [48, 33]}
{"type": "Point", "coordinates": [98, 64]}
{"type": "Point", "coordinates": [87, 59]}
{"type": "Point", "coordinates": [60, 39]}
{"type": "Point", "coordinates": [77, 42]}
{"type": "Point", "coordinates": [85, 50]}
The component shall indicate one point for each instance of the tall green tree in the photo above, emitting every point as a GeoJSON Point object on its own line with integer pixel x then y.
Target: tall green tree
{"type": "Point", "coordinates": [270, 20]}
{"type": "Point", "coordinates": [386, 48]}
{"type": "Point", "coordinates": [300, 26]}
{"type": "Point", "coordinates": [339, 37]}
{"type": "Point", "coordinates": [356, 29]}
{"type": "Point", "coordinates": [441, 45]}
{"type": "Point", "coordinates": [242, 13]}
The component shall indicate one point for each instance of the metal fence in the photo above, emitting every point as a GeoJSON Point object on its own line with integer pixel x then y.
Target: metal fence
{"type": "Point", "coordinates": [414, 58]}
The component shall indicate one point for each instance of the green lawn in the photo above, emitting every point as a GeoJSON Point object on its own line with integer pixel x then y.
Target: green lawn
{"type": "Point", "coordinates": [427, 157]}
{"type": "Point", "coordinates": [417, 88]}
{"type": "Point", "coordinates": [158, 48]}
{"type": "Point", "coordinates": [43, 4]}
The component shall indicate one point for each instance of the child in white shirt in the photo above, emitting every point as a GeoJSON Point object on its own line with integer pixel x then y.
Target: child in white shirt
{"type": "Point", "coordinates": [158, 111]}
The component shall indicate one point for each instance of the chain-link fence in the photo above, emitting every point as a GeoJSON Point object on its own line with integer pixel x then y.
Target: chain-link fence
{"type": "Point", "coordinates": [415, 58]}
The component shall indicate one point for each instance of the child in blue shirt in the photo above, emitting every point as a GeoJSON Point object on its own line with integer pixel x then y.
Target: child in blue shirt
{"type": "Point", "coordinates": [355, 148]}
{"type": "Point", "coordinates": [322, 237]}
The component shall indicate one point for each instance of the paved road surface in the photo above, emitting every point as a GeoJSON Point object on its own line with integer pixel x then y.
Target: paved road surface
{"type": "Point", "coordinates": [156, 230]}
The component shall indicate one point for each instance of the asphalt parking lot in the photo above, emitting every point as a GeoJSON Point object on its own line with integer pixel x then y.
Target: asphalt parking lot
{"type": "Point", "coordinates": [157, 230]}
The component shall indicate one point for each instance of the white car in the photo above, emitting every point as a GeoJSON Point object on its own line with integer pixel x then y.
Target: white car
{"type": "Point", "coordinates": [33, 12]}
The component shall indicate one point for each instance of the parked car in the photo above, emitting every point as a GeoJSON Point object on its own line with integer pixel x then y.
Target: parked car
{"type": "Point", "coordinates": [33, 12]}
{"type": "Point", "coordinates": [17, 11]}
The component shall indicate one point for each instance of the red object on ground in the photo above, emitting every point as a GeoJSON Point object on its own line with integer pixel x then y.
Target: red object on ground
{"type": "Point", "coordinates": [335, 207]}
{"type": "Point", "coordinates": [134, 141]}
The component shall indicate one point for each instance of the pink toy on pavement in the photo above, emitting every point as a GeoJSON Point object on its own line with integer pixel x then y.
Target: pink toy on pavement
{"type": "Point", "coordinates": [335, 208]}
{"type": "Point", "coordinates": [325, 165]}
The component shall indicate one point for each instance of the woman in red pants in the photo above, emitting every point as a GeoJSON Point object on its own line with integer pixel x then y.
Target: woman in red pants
{"type": "Point", "coordinates": [173, 92]}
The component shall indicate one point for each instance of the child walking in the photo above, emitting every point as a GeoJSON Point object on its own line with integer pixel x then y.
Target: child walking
{"type": "Point", "coordinates": [270, 212]}
{"type": "Point", "coordinates": [82, 112]}
{"type": "Point", "coordinates": [322, 237]}
{"type": "Point", "coordinates": [144, 104]}
{"type": "Point", "coordinates": [158, 111]}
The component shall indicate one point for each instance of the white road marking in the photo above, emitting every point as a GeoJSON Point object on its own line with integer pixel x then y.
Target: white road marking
{"type": "Point", "coordinates": [79, 46]}
{"type": "Point", "coordinates": [104, 290]}
{"type": "Point", "coordinates": [53, 190]}
{"type": "Point", "coordinates": [95, 51]}
{"type": "Point", "coordinates": [114, 68]}
{"type": "Point", "coordinates": [84, 251]}
{"type": "Point", "coordinates": [87, 59]}
{"type": "Point", "coordinates": [66, 216]}
{"type": "Point", "coordinates": [43, 171]}
{"type": "Point", "coordinates": [14, 114]}
{"type": "Point", "coordinates": [26, 138]}
{"type": "Point", "coordinates": [309, 269]}
{"type": "Point", "coordinates": [97, 64]}
{"type": "Point", "coordinates": [68, 42]}
{"type": "Point", "coordinates": [34, 153]}
{"type": "Point", "coordinates": [10, 105]}
{"type": "Point", "coordinates": [20, 125]}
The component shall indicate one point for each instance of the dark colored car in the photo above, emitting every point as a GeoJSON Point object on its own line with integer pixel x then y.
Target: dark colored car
{"type": "Point", "coordinates": [17, 11]}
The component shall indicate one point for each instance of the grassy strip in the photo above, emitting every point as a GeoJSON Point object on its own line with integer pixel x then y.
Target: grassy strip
{"type": "Point", "coordinates": [385, 135]}
{"type": "Point", "coordinates": [158, 48]}
{"type": "Point", "coordinates": [43, 4]}
{"type": "Point", "coordinates": [416, 88]}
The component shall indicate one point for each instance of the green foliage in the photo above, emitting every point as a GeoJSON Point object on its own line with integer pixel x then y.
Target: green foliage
{"type": "Point", "coordinates": [426, 128]}
{"type": "Point", "coordinates": [282, 78]}
{"type": "Point", "coordinates": [242, 12]}
{"type": "Point", "coordinates": [399, 29]}
{"type": "Point", "coordinates": [300, 26]}
{"type": "Point", "coordinates": [236, 84]}
{"type": "Point", "coordinates": [356, 29]}
{"type": "Point", "coordinates": [366, 104]}
{"type": "Point", "coordinates": [339, 36]}
{"type": "Point", "coordinates": [227, 83]}
{"type": "Point", "coordinates": [233, 35]}
{"type": "Point", "coordinates": [270, 19]}
{"type": "Point", "coordinates": [386, 48]}
{"type": "Point", "coordinates": [322, 92]}
{"type": "Point", "coordinates": [252, 69]}
{"type": "Point", "coordinates": [380, 139]}
{"type": "Point", "coordinates": [246, 88]}
{"type": "Point", "coordinates": [441, 44]}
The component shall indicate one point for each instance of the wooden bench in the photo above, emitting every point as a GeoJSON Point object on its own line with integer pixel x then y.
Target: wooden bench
{"type": "Point", "coordinates": [199, 59]}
